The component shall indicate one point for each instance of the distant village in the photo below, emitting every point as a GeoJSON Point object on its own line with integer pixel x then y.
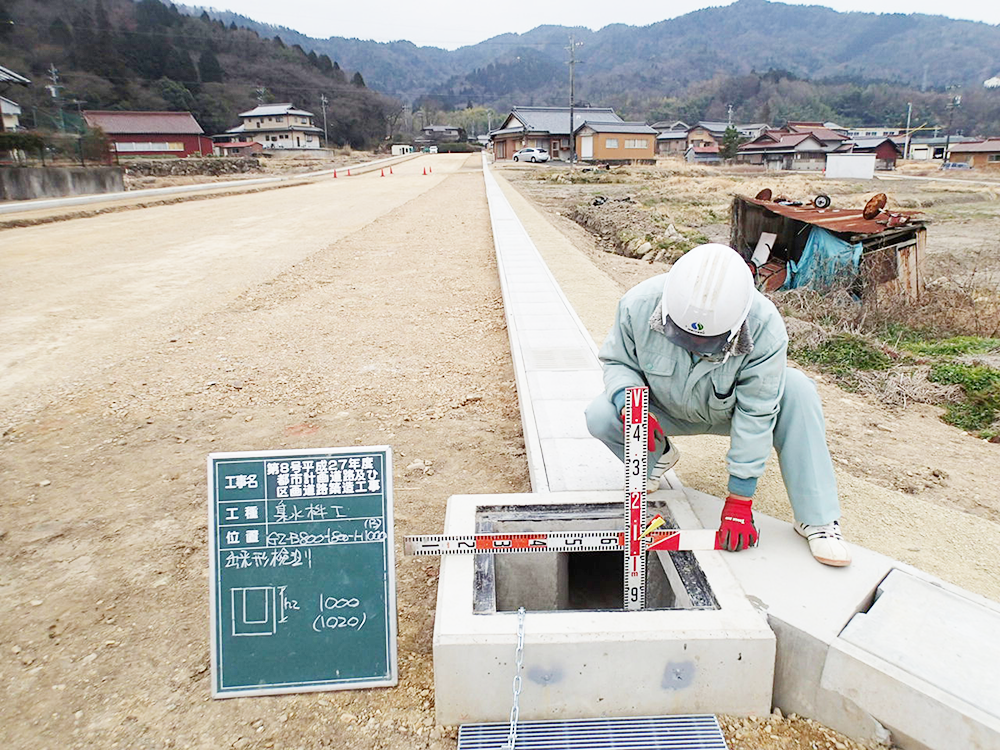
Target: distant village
{"type": "Point", "coordinates": [587, 134]}
{"type": "Point", "coordinates": [600, 135]}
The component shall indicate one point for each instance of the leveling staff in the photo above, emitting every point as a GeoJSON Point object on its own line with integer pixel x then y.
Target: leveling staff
{"type": "Point", "coordinates": [712, 350]}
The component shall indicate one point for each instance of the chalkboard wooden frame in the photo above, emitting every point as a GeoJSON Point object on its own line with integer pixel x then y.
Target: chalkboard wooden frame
{"type": "Point", "coordinates": [302, 571]}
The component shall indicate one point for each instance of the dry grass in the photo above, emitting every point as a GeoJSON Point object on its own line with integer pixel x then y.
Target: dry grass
{"type": "Point", "coordinates": [885, 346]}
{"type": "Point", "coordinates": [898, 387]}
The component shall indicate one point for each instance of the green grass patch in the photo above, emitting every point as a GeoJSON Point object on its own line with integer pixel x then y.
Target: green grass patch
{"type": "Point", "coordinates": [844, 354]}
{"type": "Point", "coordinates": [981, 385]}
{"type": "Point", "coordinates": [952, 347]}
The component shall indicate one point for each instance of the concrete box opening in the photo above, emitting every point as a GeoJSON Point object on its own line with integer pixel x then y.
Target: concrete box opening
{"type": "Point", "coordinates": [578, 581]}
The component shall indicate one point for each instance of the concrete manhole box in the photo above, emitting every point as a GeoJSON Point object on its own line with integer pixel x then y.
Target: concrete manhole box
{"type": "Point", "coordinates": [699, 647]}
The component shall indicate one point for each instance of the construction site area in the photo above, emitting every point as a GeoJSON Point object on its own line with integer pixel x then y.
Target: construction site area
{"type": "Point", "coordinates": [403, 305]}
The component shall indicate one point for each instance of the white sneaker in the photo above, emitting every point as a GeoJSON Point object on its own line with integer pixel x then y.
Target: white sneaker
{"type": "Point", "coordinates": [664, 464]}
{"type": "Point", "coordinates": [826, 543]}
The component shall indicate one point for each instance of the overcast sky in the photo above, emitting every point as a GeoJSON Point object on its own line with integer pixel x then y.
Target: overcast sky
{"type": "Point", "coordinates": [459, 24]}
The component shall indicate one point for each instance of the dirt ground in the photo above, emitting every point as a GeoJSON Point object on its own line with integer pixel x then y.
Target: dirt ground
{"type": "Point", "coordinates": [912, 486]}
{"type": "Point", "coordinates": [361, 312]}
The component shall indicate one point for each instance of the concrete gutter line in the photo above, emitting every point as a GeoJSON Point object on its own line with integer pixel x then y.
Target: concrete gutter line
{"type": "Point", "coordinates": [876, 651]}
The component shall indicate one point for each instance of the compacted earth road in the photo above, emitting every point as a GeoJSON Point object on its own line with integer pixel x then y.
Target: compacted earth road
{"type": "Point", "coordinates": [361, 311]}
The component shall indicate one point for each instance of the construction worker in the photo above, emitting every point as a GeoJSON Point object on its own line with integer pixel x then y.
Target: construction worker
{"type": "Point", "coordinates": [712, 350]}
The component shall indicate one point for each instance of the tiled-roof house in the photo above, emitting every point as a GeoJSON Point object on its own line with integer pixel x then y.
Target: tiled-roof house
{"type": "Point", "coordinates": [977, 154]}
{"type": "Point", "coordinates": [781, 150]}
{"type": "Point", "coordinates": [886, 150]}
{"type": "Point", "coordinates": [275, 126]}
{"type": "Point", "coordinates": [151, 133]}
{"type": "Point", "coordinates": [10, 111]}
{"type": "Point", "coordinates": [706, 133]}
{"type": "Point", "coordinates": [703, 154]}
{"type": "Point", "coordinates": [544, 127]}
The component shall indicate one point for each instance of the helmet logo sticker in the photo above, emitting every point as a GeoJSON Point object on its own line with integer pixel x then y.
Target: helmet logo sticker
{"type": "Point", "coordinates": [697, 327]}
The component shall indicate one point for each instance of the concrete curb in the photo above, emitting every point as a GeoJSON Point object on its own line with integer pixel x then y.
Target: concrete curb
{"type": "Point", "coordinates": [555, 362]}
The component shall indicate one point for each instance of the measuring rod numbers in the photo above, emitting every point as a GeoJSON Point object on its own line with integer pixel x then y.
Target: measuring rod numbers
{"type": "Point", "coordinates": [636, 460]}
{"type": "Point", "coordinates": [302, 571]}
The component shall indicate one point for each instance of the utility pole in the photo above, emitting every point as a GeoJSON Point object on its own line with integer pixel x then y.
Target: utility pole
{"type": "Point", "coordinates": [54, 89]}
{"type": "Point", "coordinates": [954, 104]}
{"type": "Point", "coordinates": [572, 96]}
{"type": "Point", "coordinates": [326, 135]}
{"type": "Point", "coordinates": [906, 147]}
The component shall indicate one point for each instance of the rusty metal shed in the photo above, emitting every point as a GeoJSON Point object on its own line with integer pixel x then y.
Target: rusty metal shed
{"type": "Point", "coordinates": [892, 242]}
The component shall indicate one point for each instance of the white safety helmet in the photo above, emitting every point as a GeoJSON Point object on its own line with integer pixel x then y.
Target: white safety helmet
{"type": "Point", "coordinates": [706, 299]}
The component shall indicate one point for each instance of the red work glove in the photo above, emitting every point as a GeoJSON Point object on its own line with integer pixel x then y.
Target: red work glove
{"type": "Point", "coordinates": [736, 531]}
{"type": "Point", "coordinates": [652, 430]}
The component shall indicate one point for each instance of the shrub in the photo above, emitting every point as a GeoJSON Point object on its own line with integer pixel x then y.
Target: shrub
{"type": "Point", "coordinates": [31, 142]}
{"type": "Point", "coordinates": [458, 148]}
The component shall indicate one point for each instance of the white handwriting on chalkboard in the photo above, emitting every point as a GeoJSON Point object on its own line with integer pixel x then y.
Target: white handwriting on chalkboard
{"type": "Point", "coordinates": [285, 513]}
{"type": "Point", "coordinates": [326, 537]}
{"type": "Point", "coordinates": [285, 604]}
{"type": "Point", "coordinates": [323, 621]}
{"type": "Point", "coordinates": [281, 557]}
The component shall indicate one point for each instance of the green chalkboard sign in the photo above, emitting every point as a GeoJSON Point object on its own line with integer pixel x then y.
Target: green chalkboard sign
{"type": "Point", "coordinates": [303, 592]}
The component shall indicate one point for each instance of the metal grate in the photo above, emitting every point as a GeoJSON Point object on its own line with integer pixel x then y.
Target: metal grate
{"type": "Point", "coordinates": [693, 732]}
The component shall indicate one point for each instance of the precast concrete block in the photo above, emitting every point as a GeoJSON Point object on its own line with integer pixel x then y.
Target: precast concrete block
{"type": "Point", "coordinates": [562, 418]}
{"type": "Point", "coordinates": [924, 660]}
{"type": "Point", "coordinates": [873, 670]}
{"type": "Point", "coordinates": [584, 385]}
{"type": "Point", "coordinates": [580, 464]}
{"type": "Point", "coordinates": [588, 663]}
{"type": "Point", "coordinates": [807, 605]}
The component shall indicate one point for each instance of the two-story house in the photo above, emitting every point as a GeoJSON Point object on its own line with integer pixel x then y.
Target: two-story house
{"type": "Point", "coordinates": [9, 110]}
{"type": "Point", "coordinates": [10, 114]}
{"type": "Point", "coordinates": [275, 126]}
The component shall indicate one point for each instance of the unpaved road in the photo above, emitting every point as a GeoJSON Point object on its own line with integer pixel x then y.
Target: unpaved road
{"type": "Point", "coordinates": [363, 311]}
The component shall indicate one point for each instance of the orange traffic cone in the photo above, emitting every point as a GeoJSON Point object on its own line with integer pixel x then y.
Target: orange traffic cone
{"type": "Point", "coordinates": [431, 169]}
{"type": "Point", "coordinates": [335, 174]}
{"type": "Point", "coordinates": [425, 171]}
{"type": "Point", "coordinates": [348, 173]}
{"type": "Point", "coordinates": [382, 173]}
{"type": "Point", "coordinates": [390, 170]}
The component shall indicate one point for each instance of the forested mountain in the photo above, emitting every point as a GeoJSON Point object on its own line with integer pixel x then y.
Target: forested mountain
{"type": "Point", "coordinates": [120, 54]}
{"type": "Point", "coordinates": [769, 60]}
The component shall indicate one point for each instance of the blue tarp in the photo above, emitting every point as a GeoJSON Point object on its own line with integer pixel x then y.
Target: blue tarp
{"type": "Point", "coordinates": [826, 262]}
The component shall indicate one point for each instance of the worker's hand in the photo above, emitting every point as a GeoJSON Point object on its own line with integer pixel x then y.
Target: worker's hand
{"type": "Point", "coordinates": [653, 429]}
{"type": "Point", "coordinates": [736, 531]}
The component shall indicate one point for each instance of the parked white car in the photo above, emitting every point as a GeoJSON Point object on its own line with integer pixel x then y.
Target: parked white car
{"type": "Point", "coordinates": [531, 154]}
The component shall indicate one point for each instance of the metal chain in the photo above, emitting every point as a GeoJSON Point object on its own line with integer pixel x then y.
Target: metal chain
{"type": "Point", "coordinates": [519, 661]}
